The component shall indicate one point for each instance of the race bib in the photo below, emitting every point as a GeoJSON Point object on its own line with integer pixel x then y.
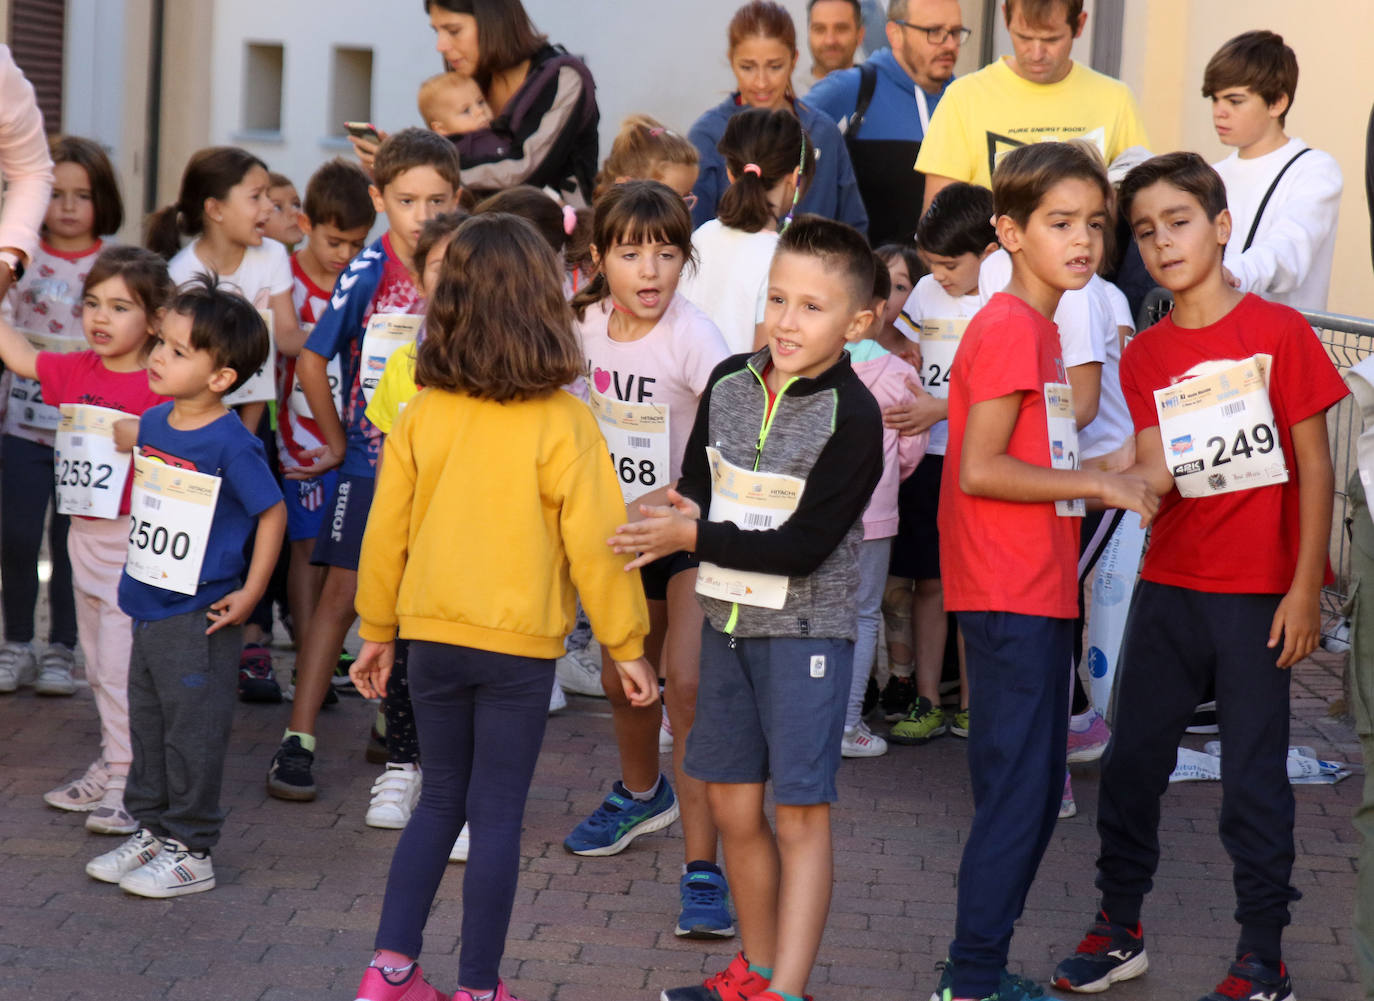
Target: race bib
{"type": "Point", "coordinates": [1218, 430]}
{"type": "Point", "coordinates": [90, 473]}
{"type": "Point", "coordinates": [637, 436]}
{"type": "Point", "coordinates": [755, 502]}
{"type": "Point", "coordinates": [169, 525]}
{"type": "Point", "coordinates": [333, 370]}
{"type": "Point", "coordinates": [940, 337]}
{"type": "Point", "coordinates": [1063, 441]}
{"type": "Point", "coordinates": [262, 384]}
{"type": "Point", "coordinates": [26, 398]}
{"type": "Point", "coordinates": [386, 334]}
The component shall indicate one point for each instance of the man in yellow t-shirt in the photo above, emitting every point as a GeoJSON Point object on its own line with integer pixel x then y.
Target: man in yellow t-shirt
{"type": "Point", "coordinates": [1038, 93]}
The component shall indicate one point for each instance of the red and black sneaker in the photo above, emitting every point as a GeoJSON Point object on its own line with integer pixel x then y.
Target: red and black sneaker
{"type": "Point", "coordinates": [1108, 953]}
{"type": "Point", "coordinates": [1250, 980]}
{"type": "Point", "coordinates": [734, 983]}
{"type": "Point", "coordinates": [257, 682]}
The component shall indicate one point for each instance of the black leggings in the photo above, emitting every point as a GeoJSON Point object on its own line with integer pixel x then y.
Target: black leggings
{"type": "Point", "coordinates": [481, 719]}
{"type": "Point", "coordinates": [26, 487]}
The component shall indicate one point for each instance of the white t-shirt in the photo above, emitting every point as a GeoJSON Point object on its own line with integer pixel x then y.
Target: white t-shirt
{"type": "Point", "coordinates": [264, 271]}
{"type": "Point", "coordinates": [730, 281]}
{"type": "Point", "coordinates": [1087, 333]}
{"type": "Point", "coordinates": [667, 367]}
{"type": "Point", "coordinates": [928, 301]}
{"type": "Point", "coordinates": [1290, 260]}
{"type": "Point", "coordinates": [1121, 306]}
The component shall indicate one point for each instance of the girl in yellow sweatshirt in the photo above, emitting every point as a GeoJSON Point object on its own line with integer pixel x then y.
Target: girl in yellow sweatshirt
{"type": "Point", "coordinates": [492, 510]}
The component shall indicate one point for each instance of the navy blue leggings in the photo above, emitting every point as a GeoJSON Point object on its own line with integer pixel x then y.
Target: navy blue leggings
{"type": "Point", "coordinates": [26, 479]}
{"type": "Point", "coordinates": [481, 719]}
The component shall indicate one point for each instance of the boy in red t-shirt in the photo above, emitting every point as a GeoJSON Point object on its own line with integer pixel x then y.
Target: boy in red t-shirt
{"type": "Point", "coordinates": [1229, 395]}
{"type": "Point", "coordinates": [1009, 543]}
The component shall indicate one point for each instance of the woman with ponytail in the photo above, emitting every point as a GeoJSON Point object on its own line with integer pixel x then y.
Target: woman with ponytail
{"type": "Point", "coordinates": [763, 53]}
{"type": "Point", "coordinates": [769, 162]}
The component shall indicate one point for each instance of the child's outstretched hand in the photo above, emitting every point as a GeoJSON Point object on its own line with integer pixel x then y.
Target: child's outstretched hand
{"type": "Point", "coordinates": [126, 434]}
{"type": "Point", "coordinates": [231, 610]}
{"type": "Point", "coordinates": [372, 670]}
{"type": "Point", "coordinates": [638, 678]}
{"type": "Point", "coordinates": [1130, 493]}
{"type": "Point", "coordinates": [321, 460]}
{"type": "Point", "coordinates": [664, 530]}
{"type": "Point", "coordinates": [918, 415]}
{"type": "Point", "coordinates": [1298, 620]}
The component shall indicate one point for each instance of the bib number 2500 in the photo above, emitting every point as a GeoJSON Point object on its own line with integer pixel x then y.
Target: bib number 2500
{"type": "Point", "coordinates": [158, 540]}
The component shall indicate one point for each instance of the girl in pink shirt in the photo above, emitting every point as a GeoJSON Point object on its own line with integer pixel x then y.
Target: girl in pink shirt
{"type": "Point", "coordinates": [650, 354]}
{"type": "Point", "coordinates": [122, 303]}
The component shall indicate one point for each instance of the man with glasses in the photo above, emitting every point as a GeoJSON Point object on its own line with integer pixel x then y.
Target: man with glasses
{"type": "Point", "coordinates": [1037, 93]}
{"type": "Point", "coordinates": [885, 108]}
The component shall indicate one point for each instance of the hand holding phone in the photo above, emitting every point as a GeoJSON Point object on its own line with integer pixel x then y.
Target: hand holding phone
{"type": "Point", "coordinates": [363, 130]}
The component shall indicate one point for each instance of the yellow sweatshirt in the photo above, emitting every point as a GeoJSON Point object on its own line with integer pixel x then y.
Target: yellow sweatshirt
{"type": "Point", "coordinates": [488, 519]}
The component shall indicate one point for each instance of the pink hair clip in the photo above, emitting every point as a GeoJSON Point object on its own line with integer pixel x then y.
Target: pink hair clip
{"type": "Point", "coordinates": [657, 131]}
{"type": "Point", "coordinates": [569, 219]}
{"type": "Point", "coordinates": [753, 168]}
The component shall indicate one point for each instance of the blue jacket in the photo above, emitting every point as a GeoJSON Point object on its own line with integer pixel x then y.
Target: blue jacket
{"type": "Point", "coordinates": [833, 191]}
{"type": "Point", "coordinates": [891, 115]}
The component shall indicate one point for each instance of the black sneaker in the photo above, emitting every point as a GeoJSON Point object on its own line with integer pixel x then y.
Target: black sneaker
{"type": "Point", "coordinates": [1250, 980]}
{"type": "Point", "coordinates": [871, 697]}
{"type": "Point", "coordinates": [289, 776]}
{"type": "Point", "coordinates": [897, 697]}
{"type": "Point", "coordinates": [257, 682]}
{"type": "Point", "coordinates": [1108, 953]}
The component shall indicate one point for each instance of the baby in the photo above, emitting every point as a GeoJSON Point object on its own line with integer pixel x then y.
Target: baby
{"type": "Point", "coordinates": [452, 104]}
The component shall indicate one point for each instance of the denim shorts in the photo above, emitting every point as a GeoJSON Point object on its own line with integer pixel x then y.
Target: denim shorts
{"type": "Point", "coordinates": [771, 707]}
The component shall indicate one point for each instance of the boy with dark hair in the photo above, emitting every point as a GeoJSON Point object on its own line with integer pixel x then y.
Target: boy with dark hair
{"type": "Point", "coordinates": [201, 486]}
{"type": "Point", "coordinates": [955, 236]}
{"type": "Point", "coordinates": [1009, 544]}
{"type": "Point", "coordinates": [796, 463]}
{"type": "Point", "coordinates": [1283, 195]}
{"type": "Point", "coordinates": [335, 219]}
{"type": "Point", "coordinates": [1229, 395]}
{"type": "Point", "coordinates": [376, 310]}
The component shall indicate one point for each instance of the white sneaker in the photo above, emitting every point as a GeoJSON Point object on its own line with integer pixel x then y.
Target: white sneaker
{"type": "Point", "coordinates": [142, 847]}
{"type": "Point", "coordinates": [665, 734]}
{"type": "Point", "coordinates": [394, 796]}
{"type": "Point", "coordinates": [460, 847]}
{"type": "Point", "coordinates": [579, 671]}
{"type": "Point", "coordinates": [109, 815]}
{"type": "Point", "coordinates": [83, 794]}
{"type": "Point", "coordinates": [55, 671]}
{"type": "Point", "coordinates": [17, 666]}
{"type": "Point", "coordinates": [861, 742]}
{"type": "Point", "coordinates": [557, 700]}
{"type": "Point", "coordinates": [174, 872]}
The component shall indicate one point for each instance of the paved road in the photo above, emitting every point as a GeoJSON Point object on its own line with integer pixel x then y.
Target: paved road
{"type": "Point", "coordinates": [300, 884]}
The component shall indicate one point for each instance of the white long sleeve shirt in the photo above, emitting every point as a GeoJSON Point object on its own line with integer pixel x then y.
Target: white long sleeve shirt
{"type": "Point", "coordinates": [1290, 259]}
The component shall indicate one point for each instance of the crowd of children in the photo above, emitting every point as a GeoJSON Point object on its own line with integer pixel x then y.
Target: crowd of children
{"type": "Point", "coordinates": [749, 452]}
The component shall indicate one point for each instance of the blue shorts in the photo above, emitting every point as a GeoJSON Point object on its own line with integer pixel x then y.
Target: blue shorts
{"type": "Point", "coordinates": [340, 541]}
{"type": "Point", "coordinates": [306, 502]}
{"type": "Point", "coordinates": [749, 703]}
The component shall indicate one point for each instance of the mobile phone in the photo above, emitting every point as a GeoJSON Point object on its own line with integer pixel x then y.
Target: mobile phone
{"type": "Point", "coordinates": [363, 130]}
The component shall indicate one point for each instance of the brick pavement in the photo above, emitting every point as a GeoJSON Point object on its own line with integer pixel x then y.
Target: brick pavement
{"type": "Point", "coordinates": [300, 884]}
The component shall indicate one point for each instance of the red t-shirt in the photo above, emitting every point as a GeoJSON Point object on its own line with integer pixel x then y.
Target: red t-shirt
{"type": "Point", "coordinates": [81, 377]}
{"type": "Point", "coordinates": [996, 555]}
{"type": "Point", "coordinates": [1244, 542]}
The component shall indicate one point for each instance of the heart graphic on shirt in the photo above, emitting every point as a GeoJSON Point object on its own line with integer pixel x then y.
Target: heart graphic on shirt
{"type": "Point", "coordinates": [55, 326]}
{"type": "Point", "coordinates": [45, 270]}
{"type": "Point", "coordinates": [602, 379]}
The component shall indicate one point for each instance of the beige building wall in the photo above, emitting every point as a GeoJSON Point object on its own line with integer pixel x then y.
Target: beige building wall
{"type": "Point", "coordinates": [1166, 46]}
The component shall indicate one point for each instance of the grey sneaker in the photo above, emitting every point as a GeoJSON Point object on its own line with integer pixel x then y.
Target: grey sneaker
{"type": "Point", "coordinates": [579, 671]}
{"type": "Point", "coordinates": [83, 794]}
{"type": "Point", "coordinates": [109, 815]}
{"type": "Point", "coordinates": [55, 671]}
{"type": "Point", "coordinates": [17, 666]}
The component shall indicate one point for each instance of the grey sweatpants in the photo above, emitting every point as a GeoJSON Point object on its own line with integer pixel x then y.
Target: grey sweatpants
{"type": "Point", "coordinates": [182, 687]}
{"type": "Point", "coordinates": [1362, 702]}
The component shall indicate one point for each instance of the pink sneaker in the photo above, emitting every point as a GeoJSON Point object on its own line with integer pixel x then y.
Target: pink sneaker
{"type": "Point", "coordinates": [1089, 744]}
{"type": "Point", "coordinates": [501, 994]}
{"type": "Point", "coordinates": [415, 987]}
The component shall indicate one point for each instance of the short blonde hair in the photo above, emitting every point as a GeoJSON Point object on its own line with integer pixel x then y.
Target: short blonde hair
{"type": "Point", "coordinates": [438, 86]}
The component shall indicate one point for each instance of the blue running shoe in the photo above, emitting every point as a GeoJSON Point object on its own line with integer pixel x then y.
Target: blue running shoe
{"type": "Point", "coordinates": [620, 819]}
{"type": "Point", "coordinates": [1010, 986]}
{"type": "Point", "coordinates": [705, 903]}
{"type": "Point", "coordinates": [1109, 953]}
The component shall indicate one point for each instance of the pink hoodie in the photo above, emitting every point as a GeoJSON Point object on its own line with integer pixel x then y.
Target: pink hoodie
{"type": "Point", "coordinates": [886, 376]}
{"type": "Point", "coordinates": [24, 160]}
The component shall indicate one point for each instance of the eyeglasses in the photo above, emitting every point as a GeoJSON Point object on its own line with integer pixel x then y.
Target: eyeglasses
{"type": "Point", "coordinates": [938, 34]}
